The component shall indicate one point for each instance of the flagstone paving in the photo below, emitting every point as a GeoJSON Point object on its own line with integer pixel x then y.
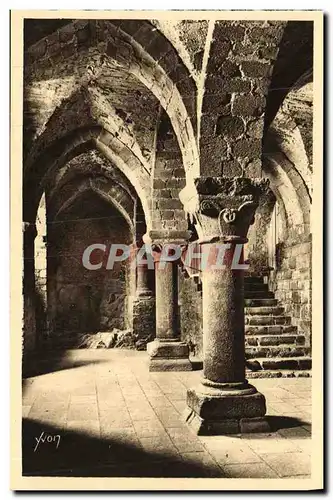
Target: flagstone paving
{"type": "Point", "coordinates": [115, 419]}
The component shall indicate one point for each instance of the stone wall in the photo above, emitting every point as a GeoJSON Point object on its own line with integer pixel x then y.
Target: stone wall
{"type": "Point", "coordinates": [169, 179]}
{"type": "Point", "coordinates": [82, 300]}
{"type": "Point", "coordinates": [291, 282]}
{"type": "Point", "coordinates": [239, 68]}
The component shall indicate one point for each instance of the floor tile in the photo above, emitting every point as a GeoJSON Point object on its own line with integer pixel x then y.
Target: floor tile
{"type": "Point", "coordinates": [180, 406]}
{"type": "Point", "coordinates": [110, 404]}
{"type": "Point", "coordinates": [162, 445]}
{"type": "Point", "coordinates": [241, 455]}
{"type": "Point", "coordinates": [206, 462]}
{"type": "Point", "coordinates": [82, 412]}
{"type": "Point", "coordinates": [257, 470]}
{"type": "Point", "coordinates": [304, 445]}
{"type": "Point", "coordinates": [139, 414]}
{"type": "Point", "coordinates": [83, 399]}
{"type": "Point", "coordinates": [171, 419]}
{"type": "Point", "coordinates": [159, 402]}
{"type": "Point", "coordinates": [149, 428]}
{"type": "Point", "coordinates": [85, 427]}
{"type": "Point", "coordinates": [262, 446]}
{"type": "Point", "coordinates": [126, 436]}
{"type": "Point", "coordinates": [283, 408]}
{"type": "Point", "coordinates": [289, 464]}
{"type": "Point", "coordinates": [188, 445]}
{"type": "Point", "coordinates": [220, 442]}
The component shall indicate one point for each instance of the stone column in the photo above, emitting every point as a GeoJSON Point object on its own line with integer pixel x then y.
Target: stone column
{"type": "Point", "coordinates": [143, 282]}
{"type": "Point", "coordinates": [144, 305]}
{"type": "Point", "coordinates": [224, 402]}
{"type": "Point", "coordinates": [167, 352]}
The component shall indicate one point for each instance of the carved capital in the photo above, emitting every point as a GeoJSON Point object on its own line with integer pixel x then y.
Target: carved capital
{"type": "Point", "coordinates": [223, 208]}
{"type": "Point", "coordinates": [162, 237]}
{"type": "Point", "coordinates": [165, 245]}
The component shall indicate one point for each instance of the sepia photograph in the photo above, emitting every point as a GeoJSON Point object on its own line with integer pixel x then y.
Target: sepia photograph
{"type": "Point", "coordinates": [166, 181]}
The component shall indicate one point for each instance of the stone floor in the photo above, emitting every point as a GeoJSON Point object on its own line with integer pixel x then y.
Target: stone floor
{"type": "Point", "coordinates": [115, 419]}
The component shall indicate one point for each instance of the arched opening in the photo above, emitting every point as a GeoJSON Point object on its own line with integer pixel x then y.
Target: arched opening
{"type": "Point", "coordinates": [81, 300]}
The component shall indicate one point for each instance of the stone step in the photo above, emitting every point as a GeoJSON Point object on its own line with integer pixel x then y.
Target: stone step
{"type": "Point", "coordinates": [278, 374]}
{"type": "Point", "coordinates": [253, 279]}
{"type": "Point", "coordinates": [293, 363]}
{"type": "Point", "coordinates": [260, 302]}
{"type": "Point", "coordinates": [255, 286]}
{"type": "Point", "coordinates": [274, 340]}
{"type": "Point", "coordinates": [258, 294]}
{"type": "Point", "coordinates": [267, 320]}
{"type": "Point", "coordinates": [281, 351]}
{"type": "Point", "coordinates": [269, 329]}
{"type": "Point", "coordinates": [264, 310]}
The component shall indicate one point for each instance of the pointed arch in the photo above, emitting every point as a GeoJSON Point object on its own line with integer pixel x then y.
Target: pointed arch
{"type": "Point", "coordinates": [112, 193]}
{"type": "Point", "coordinates": [66, 148]}
{"type": "Point", "coordinates": [95, 45]}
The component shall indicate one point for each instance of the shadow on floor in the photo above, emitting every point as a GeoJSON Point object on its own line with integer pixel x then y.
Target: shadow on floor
{"type": "Point", "coordinates": [277, 423]}
{"type": "Point", "coordinates": [82, 455]}
{"type": "Point", "coordinates": [196, 364]}
{"type": "Point", "coordinates": [44, 364]}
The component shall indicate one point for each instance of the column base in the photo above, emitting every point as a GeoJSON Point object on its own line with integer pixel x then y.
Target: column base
{"type": "Point", "coordinates": [230, 409]}
{"type": "Point", "coordinates": [168, 356]}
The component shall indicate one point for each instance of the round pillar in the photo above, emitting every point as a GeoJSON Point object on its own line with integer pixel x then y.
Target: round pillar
{"type": "Point", "coordinates": [223, 320]}
{"type": "Point", "coordinates": [167, 352]}
{"type": "Point", "coordinates": [142, 284]}
{"type": "Point", "coordinates": [223, 209]}
{"type": "Point", "coordinates": [166, 283]}
{"type": "Point", "coordinates": [143, 303]}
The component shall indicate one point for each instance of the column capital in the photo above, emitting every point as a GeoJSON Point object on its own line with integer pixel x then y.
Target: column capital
{"type": "Point", "coordinates": [162, 237]}
{"type": "Point", "coordinates": [223, 207]}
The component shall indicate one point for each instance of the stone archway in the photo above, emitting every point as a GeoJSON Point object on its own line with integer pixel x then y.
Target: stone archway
{"type": "Point", "coordinates": [83, 301]}
{"type": "Point", "coordinates": [57, 155]}
{"type": "Point", "coordinates": [88, 58]}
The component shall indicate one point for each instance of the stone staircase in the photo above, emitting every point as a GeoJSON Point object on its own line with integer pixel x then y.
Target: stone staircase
{"type": "Point", "coordinates": [274, 347]}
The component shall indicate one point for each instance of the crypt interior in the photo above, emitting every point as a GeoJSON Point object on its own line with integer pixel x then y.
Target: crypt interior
{"type": "Point", "coordinates": [188, 132]}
